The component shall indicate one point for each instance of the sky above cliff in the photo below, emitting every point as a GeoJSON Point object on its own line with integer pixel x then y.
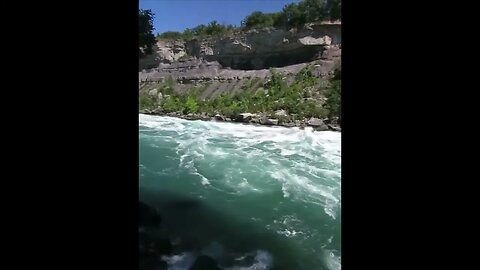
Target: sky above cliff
{"type": "Point", "coordinates": [177, 15]}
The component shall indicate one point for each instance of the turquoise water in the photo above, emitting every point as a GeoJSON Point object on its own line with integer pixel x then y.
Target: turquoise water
{"type": "Point", "coordinates": [252, 197]}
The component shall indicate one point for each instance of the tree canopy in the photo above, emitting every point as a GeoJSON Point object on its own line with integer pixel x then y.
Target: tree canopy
{"type": "Point", "coordinates": [260, 19]}
{"type": "Point", "coordinates": [146, 39]}
{"type": "Point", "coordinates": [292, 15]}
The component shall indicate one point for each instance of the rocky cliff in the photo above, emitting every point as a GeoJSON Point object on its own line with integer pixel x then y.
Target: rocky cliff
{"type": "Point", "coordinates": [251, 50]}
{"type": "Point", "coordinates": [268, 47]}
{"type": "Point", "coordinates": [234, 63]}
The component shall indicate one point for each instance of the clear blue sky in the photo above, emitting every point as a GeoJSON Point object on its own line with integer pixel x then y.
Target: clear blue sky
{"type": "Point", "coordinates": [177, 15]}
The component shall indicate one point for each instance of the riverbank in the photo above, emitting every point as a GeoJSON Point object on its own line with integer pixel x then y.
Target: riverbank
{"type": "Point", "coordinates": [255, 119]}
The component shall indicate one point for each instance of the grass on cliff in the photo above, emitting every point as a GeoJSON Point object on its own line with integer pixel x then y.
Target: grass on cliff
{"type": "Point", "coordinates": [300, 99]}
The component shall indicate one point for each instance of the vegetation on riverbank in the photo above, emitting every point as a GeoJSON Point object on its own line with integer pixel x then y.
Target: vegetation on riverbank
{"type": "Point", "coordinates": [299, 99]}
{"type": "Point", "coordinates": [276, 98]}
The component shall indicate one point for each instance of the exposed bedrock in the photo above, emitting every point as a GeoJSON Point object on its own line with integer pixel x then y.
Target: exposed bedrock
{"type": "Point", "coordinates": [250, 50]}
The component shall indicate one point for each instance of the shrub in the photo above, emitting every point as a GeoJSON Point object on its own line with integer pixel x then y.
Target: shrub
{"type": "Point", "coordinates": [146, 102]}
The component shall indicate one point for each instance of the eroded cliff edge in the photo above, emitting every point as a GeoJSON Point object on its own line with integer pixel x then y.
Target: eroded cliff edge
{"type": "Point", "coordinates": [242, 62]}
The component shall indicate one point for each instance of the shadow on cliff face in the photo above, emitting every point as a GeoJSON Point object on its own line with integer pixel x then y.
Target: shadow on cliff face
{"type": "Point", "coordinates": [268, 60]}
{"type": "Point", "coordinates": [173, 224]}
{"type": "Point", "coordinates": [149, 61]}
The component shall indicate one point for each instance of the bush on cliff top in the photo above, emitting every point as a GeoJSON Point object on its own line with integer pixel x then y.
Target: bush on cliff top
{"type": "Point", "coordinates": [295, 15]}
{"type": "Point", "coordinates": [202, 30]}
{"type": "Point", "coordinates": [259, 19]}
{"type": "Point", "coordinates": [292, 15]}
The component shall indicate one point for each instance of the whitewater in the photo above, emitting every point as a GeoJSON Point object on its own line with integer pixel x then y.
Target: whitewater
{"type": "Point", "coordinates": [251, 197]}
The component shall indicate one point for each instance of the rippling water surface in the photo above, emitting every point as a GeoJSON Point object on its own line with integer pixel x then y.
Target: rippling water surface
{"type": "Point", "coordinates": [252, 197]}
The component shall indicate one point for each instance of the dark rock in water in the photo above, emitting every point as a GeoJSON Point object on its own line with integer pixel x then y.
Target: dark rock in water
{"type": "Point", "coordinates": [255, 120]}
{"type": "Point", "coordinates": [152, 264]}
{"type": "Point", "coordinates": [214, 250]}
{"type": "Point", "coordinates": [205, 263]}
{"type": "Point", "coordinates": [335, 121]}
{"type": "Point", "coordinates": [269, 122]}
{"type": "Point", "coordinates": [161, 246]}
{"type": "Point", "coordinates": [157, 110]}
{"type": "Point", "coordinates": [153, 247]}
{"type": "Point", "coordinates": [204, 116]}
{"type": "Point", "coordinates": [219, 117]}
{"type": "Point", "coordinates": [317, 124]}
{"type": "Point", "coordinates": [244, 117]}
{"type": "Point", "coordinates": [263, 120]}
{"type": "Point", "coordinates": [321, 128]}
{"type": "Point", "coordinates": [148, 216]}
{"type": "Point", "coordinates": [162, 265]}
{"type": "Point", "coordinates": [287, 124]}
{"type": "Point", "coordinates": [192, 116]}
{"type": "Point", "coordinates": [144, 244]}
{"type": "Point", "coordinates": [273, 122]}
{"type": "Point", "coordinates": [335, 128]}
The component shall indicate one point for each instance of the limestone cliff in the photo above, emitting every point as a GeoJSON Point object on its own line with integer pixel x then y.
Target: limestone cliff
{"type": "Point", "coordinates": [242, 61]}
{"type": "Point", "coordinates": [252, 50]}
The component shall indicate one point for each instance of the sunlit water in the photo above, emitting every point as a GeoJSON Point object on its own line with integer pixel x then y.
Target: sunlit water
{"type": "Point", "coordinates": [252, 197]}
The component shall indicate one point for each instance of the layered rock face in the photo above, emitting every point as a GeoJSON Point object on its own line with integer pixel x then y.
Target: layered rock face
{"type": "Point", "coordinates": [229, 65]}
{"type": "Point", "coordinates": [268, 47]}
{"type": "Point", "coordinates": [252, 50]}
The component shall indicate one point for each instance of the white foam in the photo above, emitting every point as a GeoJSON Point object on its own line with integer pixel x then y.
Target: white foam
{"type": "Point", "coordinates": [285, 191]}
{"type": "Point", "coordinates": [163, 123]}
{"type": "Point", "coordinates": [329, 211]}
{"type": "Point", "coordinates": [204, 179]}
{"type": "Point", "coordinates": [245, 186]}
{"type": "Point", "coordinates": [181, 261]}
{"type": "Point", "coordinates": [304, 164]}
{"type": "Point", "coordinates": [263, 261]}
{"type": "Point", "coordinates": [332, 261]}
{"type": "Point", "coordinates": [187, 162]}
{"type": "Point", "coordinates": [307, 190]}
{"type": "Point", "coordinates": [245, 160]}
{"type": "Point", "coordinates": [289, 233]}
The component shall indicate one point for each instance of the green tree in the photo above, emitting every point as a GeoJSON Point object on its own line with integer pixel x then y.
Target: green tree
{"type": "Point", "coordinates": [312, 9]}
{"type": "Point", "coordinates": [171, 104]}
{"type": "Point", "coordinates": [333, 9]}
{"type": "Point", "coordinates": [170, 35]}
{"type": "Point", "coordinates": [294, 17]}
{"type": "Point", "coordinates": [191, 105]}
{"type": "Point", "coordinates": [259, 19]}
{"type": "Point", "coordinates": [146, 102]}
{"type": "Point", "coordinates": [213, 28]}
{"type": "Point", "coordinates": [334, 104]}
{"type": "Point", "coordinates": [188, 34]}
{"type": "Point", "coordinates": [146, 39]}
